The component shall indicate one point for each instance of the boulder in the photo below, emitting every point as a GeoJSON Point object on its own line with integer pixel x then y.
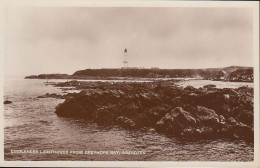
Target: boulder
{"type": "Point", "coordinates": [79, 107]}
{"type": "Point", "coordinates": [230, 91]}
{"type": "Point", "coordinates": [238, 130]}
{"type": "Point", "coordinates": [210, 86]}
{"type": "Point", "coordinates": [201, 122]}
{"type": "Point", "coordinates": [213, 100]}
{"type": "Point", "coordinates": [205, 132]}
{"type": "Point", "coordinates": [245, 116]}
{"type": "Point", "coordinates": [190, 89]}
{"type": "Point", "coordinates": [175, 121]}
{"type": "Point", "coordinates": [104, 116]}
{"type": "Point", "coordinates": [7, 102]}
{"type": "Point", "coordinates": [205, 116]}
{"type": "Point", "coordinates": [153, 115]}
{"type": "Point", "coordinates": [125, 122]}
{"type": "Point", "coordinates": [52, 95]}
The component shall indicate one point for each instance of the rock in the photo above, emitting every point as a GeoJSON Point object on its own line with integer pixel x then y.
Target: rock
{"type": "Point", "coordinates": [153, 115]}
{"type": "Point", "coordinates": [204, 132]}
{"type": "Point", "coordinates": [206, 116]}
{"type": "Point", "coordinates": [53, 95]}
{"type": "Point", "coordinates": [239, 130]}
{"type": "Point", "coordinates": [144, 129]}
{"type": "Point", "coordinates": [175, 111]}
{"type": "Point", "coordinates": [187, 131]}
{"type": "Point", "coordinates": [222, 119]}
{"type": "Point", "coordinates": [230, 91]}
{"type": "Point", "coordinates": [7, 102]}
{"type": "Point", "coordinates": [214, 100]}
{"type": "Point", "coordinates": [125, 122]}
{"type": "Point", "coordinates": [45, 122]}
{"type": "Point", "coordinates": [245, 116]}
{"type": "Point", "coordinates": [175, 121]}
{"type": "Point", "coordinates": [201, 122]}
{"type": "Point", "coordinates": [43, 96]}
{"type": "Point", "coordinates": [210, 86]}
{"type": "Point", "coordinates": [104, 116]}
{"type": "Point", "coordinates": [80, 106]}
{"type": "Point", "coordinates": [199, 132]}
{"type": "Point", "coordinates": [190, 89]}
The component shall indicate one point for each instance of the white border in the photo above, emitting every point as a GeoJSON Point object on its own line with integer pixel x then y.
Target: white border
{"type": "Point", "coordinates": [83, 3]}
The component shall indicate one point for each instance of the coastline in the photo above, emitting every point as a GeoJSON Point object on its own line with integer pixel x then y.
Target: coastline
{"type": "Point", "coordinates": [232, 74]}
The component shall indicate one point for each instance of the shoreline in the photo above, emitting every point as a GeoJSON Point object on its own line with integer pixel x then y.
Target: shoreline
{"type": "Point", "coordinates": [232, 73]}
{"type": "Point", "coordinates": [138, 79]}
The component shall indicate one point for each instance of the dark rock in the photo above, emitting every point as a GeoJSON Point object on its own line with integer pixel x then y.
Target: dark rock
{"type": "Point", "coordinates": [191, 89]}
{"type": "Point", "coordinates": [53, 95]}
{"type": "Point", "coordinates": [43, 96]}
{"type": "Point", "coordinates": [153, 115]}
{"type": "Point", "coordinates": [201, 122]}
{"type": "Point", "coordinates": [213, 100]}
{"type": "Point", "coordinates": [81, 106]}
{"type": "Point", "coordinates": [199, 133]}
{"type": "Point", "coordinates": [210, 86]}
{"type": "Point", "coordinates": [245, 116]}
{"type": "Point", "coordinates": [125, 122]}
{"type": "Point", "coordinates": [206, 116]}
{"type": "Point", "coordinates": [239, 130]}
{"type": "Point", "coordinates": [230, 91]}
{"type": "Point", "coordinates": [204, 132]}
{"type": "Point", "coordinates": [175, 121]}
{"type": "Point", "coordinates": [7, 102]}
{"type": "Point", "coordinates": [188, 112]}
{"type": "Point", "coordinates": [57, 96]}
{"type": "Point", "coordinates": [45, 122]}
{"type": "Point", "coordinates": [104, 116]}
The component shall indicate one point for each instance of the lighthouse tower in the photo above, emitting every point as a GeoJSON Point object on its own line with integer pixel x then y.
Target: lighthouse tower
{"type": "Point", "coordinates": [125, 55]}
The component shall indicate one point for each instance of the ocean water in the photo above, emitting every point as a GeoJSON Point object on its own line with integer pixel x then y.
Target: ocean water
{"type": "Point", "coordinates": [219, 84]}
{"type": "Point", "coordinates": [31, 124]}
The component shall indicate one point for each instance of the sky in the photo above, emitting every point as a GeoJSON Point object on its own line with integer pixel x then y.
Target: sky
{"type": "Point", "coordinates": [66, 39]}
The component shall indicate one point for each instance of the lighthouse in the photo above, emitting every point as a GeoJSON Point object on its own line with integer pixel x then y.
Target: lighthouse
{"type": "Point", "coordinates": [125, 55]}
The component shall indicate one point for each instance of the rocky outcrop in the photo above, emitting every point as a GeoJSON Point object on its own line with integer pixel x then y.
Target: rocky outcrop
{"type": "Point", "coordinates": [199, 122]}
{"type": "Point", "coordinates": [57, 96]}
{"type": "Point", "coordinates": [206, 112]}
{"type": "Point", "coordinates": [50, 76]}
{"type": "Point", "coordinates": [242, 75]}
{"type": "Point", "coordinates": [53, 95]}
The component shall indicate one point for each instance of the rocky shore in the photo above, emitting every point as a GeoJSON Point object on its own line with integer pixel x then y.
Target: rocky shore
{"type": "Point", "coordinates": [203, 113]}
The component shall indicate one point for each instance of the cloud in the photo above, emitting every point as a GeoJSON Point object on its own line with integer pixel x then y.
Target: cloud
{"type": "Point", "coordinates": [66, 39]}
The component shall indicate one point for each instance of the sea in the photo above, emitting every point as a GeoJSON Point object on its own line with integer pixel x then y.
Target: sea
{"type": "Point", "coordinates": [33, 132]}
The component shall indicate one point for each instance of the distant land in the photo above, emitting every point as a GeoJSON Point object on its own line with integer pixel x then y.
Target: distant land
{"type": "Point", "coordinates": [231, 73]}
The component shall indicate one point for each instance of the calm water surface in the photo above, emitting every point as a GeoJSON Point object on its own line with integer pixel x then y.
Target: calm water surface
{"type": "Point", "coordinates": [31, 124]}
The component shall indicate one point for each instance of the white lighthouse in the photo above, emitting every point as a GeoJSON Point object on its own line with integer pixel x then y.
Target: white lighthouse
{"type": "Point", "coordinates": [125, 55]}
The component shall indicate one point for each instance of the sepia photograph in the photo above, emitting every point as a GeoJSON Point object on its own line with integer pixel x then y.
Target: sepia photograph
{"type": "Point", "coordinates": [131, 82]}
